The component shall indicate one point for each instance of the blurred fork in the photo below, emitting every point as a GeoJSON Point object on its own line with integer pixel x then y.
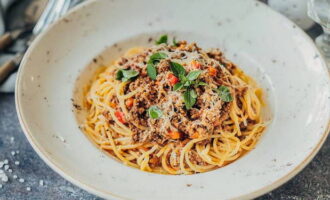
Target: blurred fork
{"type": "Point", "coordinates": [54, 10]}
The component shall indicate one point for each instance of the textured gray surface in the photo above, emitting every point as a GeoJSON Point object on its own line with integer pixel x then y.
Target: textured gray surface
{"type": "Point", "coordinates": [312, 183]}
{"type": "Point", "coordinates": [31, 168]}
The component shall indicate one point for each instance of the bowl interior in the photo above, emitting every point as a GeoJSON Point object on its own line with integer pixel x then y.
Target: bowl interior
{"type": "Point", "coordinates": [285, 64]}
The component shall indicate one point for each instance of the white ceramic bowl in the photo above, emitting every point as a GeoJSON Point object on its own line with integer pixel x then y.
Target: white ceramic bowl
{"type": "Point", "coordinates": [266, 45]}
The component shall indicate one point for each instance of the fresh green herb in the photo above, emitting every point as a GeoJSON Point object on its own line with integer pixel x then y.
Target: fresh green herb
{"type": "Point", "coordinates": [156, 57]}
{"type": "Point", "coordinates": [154, 112]}
{"type": "Point", "coordinates": [177, 86]}
{"type": "Point", "coordinates": [183, 78]}
{"type": "Point", "coordinates": [175, 43]}
{"type": "Point", "coordinates": [224, 93]}
{"type": "Point", "coordinates": [193, 75]}
{"type": "Point", "coordinates": [189, 98]}
{"type": "Point", "coordinates": [126, 74]}
{"type": "Point", "coordinates": [186, 80]}
{"type": "Point", "coordinates": [177, 69]}
{"type": "Point", "coordinates": [200, 83]}
{"type": "Point", "coordinates": [152, 72]}
{"type": "Point", "coordinates": [119, 74]}
{"type": "Point", "coordinates": [186, 83]}
{"type": "Point", "coordinates": [153, 60]}
{"type": "Point", "coordinates": [162, 39]}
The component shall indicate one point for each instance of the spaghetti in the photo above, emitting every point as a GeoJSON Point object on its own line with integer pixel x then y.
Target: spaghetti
{"type": "Point", "coordinates": [174, 109]}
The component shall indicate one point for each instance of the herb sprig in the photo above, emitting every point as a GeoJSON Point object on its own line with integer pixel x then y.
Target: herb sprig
{"type": "Point", "coordinates": [126, 74]}
{"type": "Point", "coordinates": [224, 93]}
{"type": "Point", "coordinates": [175, 43]}
{"type": "Point", "coordinates": [162, 39]}
{"type": "Point", "coordinates": [154, 112]}
{"type": "Point", "coordinates": [187, 82]}
{"type": "Point", "coordinates": [151, 65]}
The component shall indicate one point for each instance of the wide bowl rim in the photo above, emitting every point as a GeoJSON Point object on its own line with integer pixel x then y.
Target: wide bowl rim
{"type": "Point", "coordinates": [106, 194]}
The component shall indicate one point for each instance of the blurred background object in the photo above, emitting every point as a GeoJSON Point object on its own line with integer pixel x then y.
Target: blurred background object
{"type": "Point", "coordinates": [296, 10]}
{"type": "Point", "coordinates": [319, 11]}
{"type": "Point", "coordinates": [23, 21]}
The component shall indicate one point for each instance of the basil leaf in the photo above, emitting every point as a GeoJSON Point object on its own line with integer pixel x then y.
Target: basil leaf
{"type": "Point", "coordinates": [201, 83]}
{"type": "Point", "coordinates": [193, 94]}
{"type": "Point", "coordinates": [157, 57]}
{"type": "Point", "coordinates": [177, 69]}
{"type": "Point", "coordinates": [151, 68]}
{"type": "Point", "coordinates": [162, 39]}
{"type": "Point", "coordinates": [193, 75]}
{"type": "Point", "coordinates": [189, 98]}
{"type": "Point", "coordinates": [119, 74]}
{"type": "Point", "coordinates": [126, 74]}
{"type": "Point", "coordinates": [187, 83]}
{"type": "Point", "coordinates": [130, 73]}
{"type": "Point", "coordinates": [175, 43]}
{"type": "Point", "coordinates": [154, 112]}
{"type": "Point", "coordinates": [177, 86]}
{"type": "Point", "coordinates": [124, 79]}
{"type": "Point", "coordinates": [152, 72]}
{"type": "Point", "coordinates": [183, 78]}
{"type": "Point", "coordinates": [224, 93]}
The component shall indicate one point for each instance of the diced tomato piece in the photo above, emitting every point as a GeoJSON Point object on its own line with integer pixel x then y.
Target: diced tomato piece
{"type": "Point", "coordinates": [129, 102]}
{"type": "Point", "coordinates": [113, 105]}
{"type": "Point", "coordinates": [212, 71]}
{"type": "Point", "coordinates": [195, 64]}
{"type": "Point", "coordinates": [120, 116]}
{"type": "Point", "coordinates": [172, 79]}
{"type": "Point", "coordinates": [174, 135]}
{"type": "Point", "coordinates": [194, 135]}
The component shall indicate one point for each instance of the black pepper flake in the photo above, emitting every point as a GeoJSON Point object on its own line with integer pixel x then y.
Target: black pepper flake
{"type": "Point", "coordinates": [76, 106]}
{"type": "Point", "coordinates": [189, 185]}
{"type": "Point", "coordinates": [94, 60]}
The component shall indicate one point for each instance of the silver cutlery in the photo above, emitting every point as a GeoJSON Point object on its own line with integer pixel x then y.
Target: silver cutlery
{"type": "Point", "coordinates": [53, 11]}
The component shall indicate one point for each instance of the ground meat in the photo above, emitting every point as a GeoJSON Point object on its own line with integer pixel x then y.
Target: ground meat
{"type": "Point", "coordinates": [207, 113]}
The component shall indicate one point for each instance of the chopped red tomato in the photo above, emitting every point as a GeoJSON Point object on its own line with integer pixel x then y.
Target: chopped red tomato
{"type": "Point", "coordinates": [120, 116]}
{"type": "Point", "coordinates": [212, 71]}
{"type": "Point", "coordinates": [113, 105]}
{"type": "Point", "coordinates": [129, 102]}
{"type": "Point", "coordinates": [172, 79]}
{"type": "Point", "coordinates": [174, 135]}
{"type": "Point", "coordinates": [195, 64]}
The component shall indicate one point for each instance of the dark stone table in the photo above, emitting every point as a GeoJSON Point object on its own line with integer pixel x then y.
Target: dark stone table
{"type": "Point", "coordinates": [312, 183]}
